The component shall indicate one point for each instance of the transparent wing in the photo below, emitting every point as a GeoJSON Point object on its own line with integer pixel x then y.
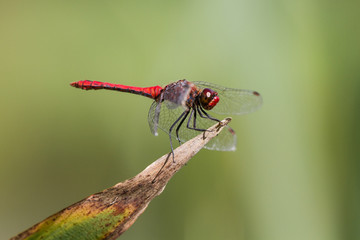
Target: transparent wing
{"type": "Point", "coordinates": [233, 101]}
{"type": "Point", "coordinates": [225, 141]}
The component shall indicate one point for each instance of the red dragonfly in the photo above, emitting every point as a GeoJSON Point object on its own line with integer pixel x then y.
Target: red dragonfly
{"type": "Point", "coordinates": [185, 101]}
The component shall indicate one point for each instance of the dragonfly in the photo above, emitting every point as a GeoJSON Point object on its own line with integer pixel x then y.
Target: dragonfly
{"type": "Point", "coordinates": [181, 108]}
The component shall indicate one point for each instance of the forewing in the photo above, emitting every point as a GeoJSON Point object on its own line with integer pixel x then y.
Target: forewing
{"type": "Point", "coordinates": [233, 101]}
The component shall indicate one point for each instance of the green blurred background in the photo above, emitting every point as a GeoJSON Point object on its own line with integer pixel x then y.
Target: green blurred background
{"type": "Point", "coordinates": [296, 172]}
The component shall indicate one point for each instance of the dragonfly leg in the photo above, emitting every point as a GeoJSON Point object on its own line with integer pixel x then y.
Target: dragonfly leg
{"type": "Point", "coordinates": [170, 130]}
{"type": "Point", "coordinates": [181, 122]}
{"type": "Point", "coordinates": [207, 115]}
{"type": "Point", "coordinates": [194, 123]}
{"type": "Point", "coordinates": [158, 173]}
{"type": "Point", "coordinates": [191, 114]}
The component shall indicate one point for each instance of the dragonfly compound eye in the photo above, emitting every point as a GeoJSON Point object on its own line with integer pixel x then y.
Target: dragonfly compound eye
{"type": "Point", "coordinates": [208, 98]}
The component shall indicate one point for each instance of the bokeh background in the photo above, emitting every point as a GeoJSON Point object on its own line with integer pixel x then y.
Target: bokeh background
{"type": "Point", "coordinates": [296, 171]}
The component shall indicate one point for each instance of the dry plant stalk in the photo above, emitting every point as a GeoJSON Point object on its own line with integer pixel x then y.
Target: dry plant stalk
{"type": "Point", "coordinates": [106, 215]}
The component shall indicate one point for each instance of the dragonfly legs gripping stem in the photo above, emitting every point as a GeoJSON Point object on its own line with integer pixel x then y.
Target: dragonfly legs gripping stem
{"type": "Point", "coordinates": [182, 118]}
{"type": "Point", "coordinates": [193, 113]}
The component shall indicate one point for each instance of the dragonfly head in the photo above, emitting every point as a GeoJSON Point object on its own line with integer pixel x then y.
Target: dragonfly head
{"type": "Point", "coordinates": [208, 98]}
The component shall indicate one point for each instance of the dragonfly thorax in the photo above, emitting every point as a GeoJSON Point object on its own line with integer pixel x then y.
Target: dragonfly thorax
{"type": "Point", "coordinates": [208, 98]}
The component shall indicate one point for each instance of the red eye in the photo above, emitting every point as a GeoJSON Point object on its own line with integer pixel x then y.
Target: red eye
{"type": "Point", "coordinates": [208, 98]}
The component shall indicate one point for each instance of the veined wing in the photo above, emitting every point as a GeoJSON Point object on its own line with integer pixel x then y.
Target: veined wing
{"type": "Point", "coordinates": [233, 101]}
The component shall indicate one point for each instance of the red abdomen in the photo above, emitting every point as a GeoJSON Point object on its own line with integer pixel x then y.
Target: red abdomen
{"type": "Point", "coordinates": [150, 92]}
